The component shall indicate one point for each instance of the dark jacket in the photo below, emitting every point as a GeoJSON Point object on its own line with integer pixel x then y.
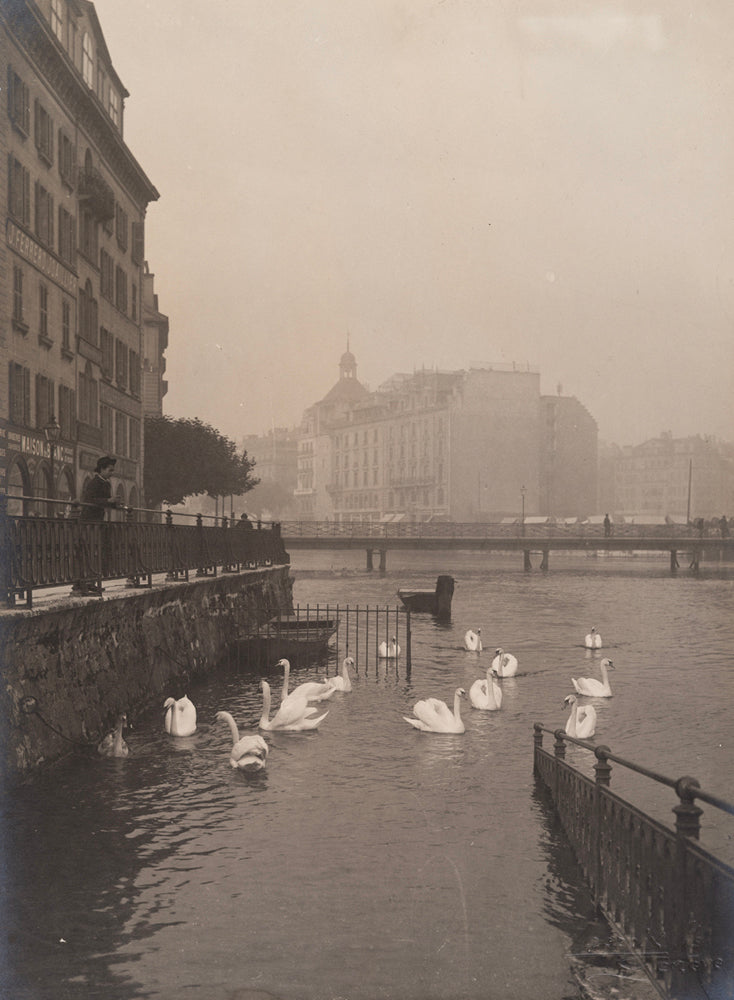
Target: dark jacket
{"type": "Point", "coordinates": [98, 494]}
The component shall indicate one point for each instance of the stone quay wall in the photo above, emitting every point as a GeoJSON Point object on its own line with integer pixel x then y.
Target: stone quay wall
{"type": "Point", "coordinates": [70, 668]}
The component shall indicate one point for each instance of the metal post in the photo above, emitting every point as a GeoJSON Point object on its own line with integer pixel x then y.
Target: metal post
{"type": "Point", "coordinates": [523, 491]}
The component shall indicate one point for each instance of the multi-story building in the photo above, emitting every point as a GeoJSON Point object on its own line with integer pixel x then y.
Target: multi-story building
{"type": "Point", "coordinates": [155, 342]}
{"type": "Point", "coordinates": [462, 445]}
{"type": "Point", "coordinates": [75, 200]}
{"type": "Point", "coordinates": [682, 477]}
{"type": "Point", "coordinates": [568, 457]}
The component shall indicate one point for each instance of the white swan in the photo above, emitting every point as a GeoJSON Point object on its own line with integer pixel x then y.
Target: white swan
{"type": "Point", "coordinates": [591, 686]}
{"type": "Point", "coordinates": [310, 690]}
{"type": "Point", "coordinates": [581, 723]}
{"type": "Point", "coordinates": [486, 694]}
{"type": "Point", "coordinates": [592, 640]}
{"type": "Point", "coordinates": [294, 714]}
{"type": "Point", "coordinates": [180, 717]}
{"type": "Point", "coordinates": [113, 744]}
{"type": "Point", "coordinates": [434, 716]}
{"type": "Point", "coordinates": [389, 652]}
{"type": "Point", "coordinates": [343, 682]}
{"type": "Point", "coordinates": [504, 664]}
{"type": "Point", "coordinates": [249, 752]}
{"type": "Point", "coordinates": [473, 640]}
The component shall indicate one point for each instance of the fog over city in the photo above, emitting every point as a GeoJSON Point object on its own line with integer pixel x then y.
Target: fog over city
{"type": "Point", "coordinates": [451, 184]}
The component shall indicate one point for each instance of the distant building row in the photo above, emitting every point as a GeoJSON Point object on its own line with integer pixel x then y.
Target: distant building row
{"type": "Point", "coordinates": [464, 446]}
{"type": "Point", "coordinates": [81, 334]}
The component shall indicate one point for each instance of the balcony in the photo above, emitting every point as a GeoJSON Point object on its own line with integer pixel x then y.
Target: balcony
{"type": "Point", "coordinates": [96, 194]}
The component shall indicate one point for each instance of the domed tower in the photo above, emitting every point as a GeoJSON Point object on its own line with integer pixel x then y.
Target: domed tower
{"type": "Point", "coordinates": [348, 365]}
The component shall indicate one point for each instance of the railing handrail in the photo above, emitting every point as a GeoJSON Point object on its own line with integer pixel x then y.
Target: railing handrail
{"type": "Point", "coordinates": [685, 787]}
{"type": "Point", "coordinates": [127, 508]}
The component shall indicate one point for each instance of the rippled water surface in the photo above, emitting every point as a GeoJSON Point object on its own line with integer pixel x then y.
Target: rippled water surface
{"type": "Point", "coordinates": [369, 860]}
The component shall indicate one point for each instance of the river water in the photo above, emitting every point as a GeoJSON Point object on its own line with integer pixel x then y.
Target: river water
{"type": "Point", "coordinates": [370, 861]}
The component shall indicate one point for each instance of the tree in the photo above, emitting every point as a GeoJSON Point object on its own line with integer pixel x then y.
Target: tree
{"type": "Point", "coordinates": [185, 456]}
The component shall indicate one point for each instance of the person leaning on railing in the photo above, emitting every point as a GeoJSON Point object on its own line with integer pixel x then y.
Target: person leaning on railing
{"type": "Point", "coordinates": [96, 500]}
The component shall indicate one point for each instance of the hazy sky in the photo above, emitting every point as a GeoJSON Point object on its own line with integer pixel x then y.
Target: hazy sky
{"type": "Point", "coordinates": [450, 182]}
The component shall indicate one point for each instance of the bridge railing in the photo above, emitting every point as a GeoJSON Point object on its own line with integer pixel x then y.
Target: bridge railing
{"type": "Point", "coordinates": [672, 899]}
{"type": "Point", "coordinates": [482, 529]}
{"type": "Point", "coordinates": [42, 552]}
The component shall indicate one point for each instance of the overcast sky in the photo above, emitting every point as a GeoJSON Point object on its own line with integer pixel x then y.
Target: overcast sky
{"type": "Point", "coordinates": [451, 183]}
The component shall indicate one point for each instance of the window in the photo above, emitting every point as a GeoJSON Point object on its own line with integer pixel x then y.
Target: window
{"type": "Point", "coordinates": [105, 419]}
{"type": "Point", "coordinates": [108, 350]}
{"type": "Point", "coordinates": [87, 60]}
{"type": "Point", "coordinates": [67, 243]}
{"type": "Point", "coordinates": [121, 442]}
{"type": "Point", "coordinates": [121, 364]}
{"type": "Point", "coordinates": [67, 412]}
{"type": "Point", "coordinates": [44, 133]}
{"type": "Point", "coordinates": [67, 158]}
{"type": "Point", "coordinates": [19, 191]}
{"type": "Point", "coordinates": [43, 313]}
{"type": "Point", "coordinates": [88, 314]}
{"type": "Point", "coordinates": [88, 396]}
{"type": "Point", "coordinates": [121, 289]}
{"type": "Point", "coordinates": [19, 390]}
{"type": "Point", "coordinates": [66, 326]}
{"type": "Point", "coordinates": [44, 215]}
{"type": "Point", "coordinates": [121, 227]}
{"type": "Point", "coordinates": [18, 297]}
{"type": "Point", "coordinates": [113, 108]}
{"type": "Point", "coordinates": [135, 373]}
{"type": "Point", "coordinates": [137, 251]}
{"type": "Point", "coordinates": [107, 276]}
{"type": "Point", "coordinates": [19, 105]}
{"type": "Point", "coordinates": [134, 301]}
{"type": "Point", "coordinates": [44, 400]}
{"type": "Point", "coordinates": [88, 238]}
{"type": "Point", "coordinates": [134, 449]}
{"type": "Point", "coordinates": [57, 19]}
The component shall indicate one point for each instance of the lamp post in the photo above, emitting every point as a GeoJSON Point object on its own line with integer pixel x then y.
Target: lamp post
{"type": "Point", "coordinates": [523, 491]}
{"type": "Point", "coordinates": [52, 432]}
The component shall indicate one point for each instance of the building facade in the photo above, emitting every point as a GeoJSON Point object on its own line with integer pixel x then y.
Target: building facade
{"type": "Point", "coordinates": [679, 477]}
{"type": "Point", "coordinates": [155, 342]}
{"type": "Point", "coordinates": [74, 203]}
{"type": "Point", "coordinates": [459, 446]}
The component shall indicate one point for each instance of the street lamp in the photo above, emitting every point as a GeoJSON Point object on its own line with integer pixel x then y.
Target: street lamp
{"type": "Point", "coordinates": [523, 491]}
{"type": "Point", "coordinates": [53, 433]}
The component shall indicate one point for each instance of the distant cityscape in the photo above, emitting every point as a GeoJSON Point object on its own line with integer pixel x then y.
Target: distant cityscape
{"type": "Point", "coordinates": [476, 445]}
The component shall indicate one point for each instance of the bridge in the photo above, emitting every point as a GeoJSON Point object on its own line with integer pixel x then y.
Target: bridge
{"type": "Point", "coordinates": [525, 538]}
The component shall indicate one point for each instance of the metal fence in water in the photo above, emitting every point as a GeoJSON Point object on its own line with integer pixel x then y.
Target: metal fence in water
{"type": "Point", "coordinates": [669, 897]}
{"type": "Point", "coordinates": [378, 637]}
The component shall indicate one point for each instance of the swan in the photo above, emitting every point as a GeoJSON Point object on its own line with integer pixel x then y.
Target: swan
{"type": "Point", "coordinates": [249, 752]}
{"type": "Point", "coordinates": [343, 681]}
{"type": "Point", "coordinates": [473, 640]}
{"type": "Point", "coordinates": [180, 717]}
{"type": "Point", "coordinates": [434, 716]}
{"type": "Point", "coordinates": [486, 694]}
{"type": "Point", "coordinates": [581, 723]}
{"type": "Point", "coordinates": [294, 714]}
{"type": "Point", "coordinates": [311, 690]}
{"type": "Point", "coordinates": [593, 639]}
{"type": "Point", "coordinates": [113, 744]}
{"type": "Point", "coordinates": [504, 664]}
{"type": "Point", "coordinates": [389, 652]}
{"type": "Point", "coordinates": [591, 686]}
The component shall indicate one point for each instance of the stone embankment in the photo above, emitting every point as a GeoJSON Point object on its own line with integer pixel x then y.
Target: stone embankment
{"type": "Point", "coordinates": [72, 665]}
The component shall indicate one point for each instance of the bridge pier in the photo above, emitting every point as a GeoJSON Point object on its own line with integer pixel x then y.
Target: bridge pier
{"type": "Point", "coordinates": [674, 561]}
{"type": "Point", "coordinates": [695, 557]}
{"type": "Point", "coordinates": [544, 561]}
{"type": "Point", "coordinates": [370, 567]}
{"type": "Point", "coordinates": [526, 564]}
{"type": "Point", "coordinates": [383, 561]}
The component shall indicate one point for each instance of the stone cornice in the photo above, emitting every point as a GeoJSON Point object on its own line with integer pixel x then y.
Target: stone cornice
{"type": "Point", "coordinates": [52, 63]}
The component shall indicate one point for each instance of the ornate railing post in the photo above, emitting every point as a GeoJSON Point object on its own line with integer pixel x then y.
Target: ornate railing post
{"type": "Point", "coordinates": [688, 933]}
{"type": "Point", "coordinates": [537, 744]}
{"type": "Point", "coordinates": [603, 774]}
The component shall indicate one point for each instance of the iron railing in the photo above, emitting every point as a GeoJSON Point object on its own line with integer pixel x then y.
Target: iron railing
{"type": "Point", "coordinates": [672, 899]}
{"type": "Point", "coordinates": [41, 552]}
{"type": "Point", "coordinates": [489, 530]}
